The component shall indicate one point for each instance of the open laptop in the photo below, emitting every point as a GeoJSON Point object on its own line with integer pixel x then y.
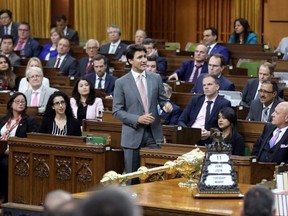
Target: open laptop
{"type": "Point", "coordinates": [235, 97]}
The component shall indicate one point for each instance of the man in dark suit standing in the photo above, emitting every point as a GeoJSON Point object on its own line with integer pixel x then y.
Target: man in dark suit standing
{"type": "Point", "coordinates": [250, 90]}
{"type": "Point", "coordinates": [27, 46]}
{"type": "Point", "coordinates": [100, 78]}
{"type": "Point", "coordinates": [215, 67]}
{"type": "Point", "coordinates": [191, 70]}
{"type": "Point", "coordinates": [136, 97]}
{"type": "Point", "coordinates": [210, 37]}
{"type": "Point", "coordinates": [262, 107]}
{"type": "Point", "coordinates": [86, 63]}
{"type": "Point", "coordinates": [115, 46]}
{"type": "Point", "coordinates": [61, 24]}
{"type": "Point", "coordinates": [272, 145]}
{"type": "Point", "coordinates": [8, 27]}
{"type": "Point", "coordinates": [64, 61]}
{"type": "Point", "coordinates": [202, 111]}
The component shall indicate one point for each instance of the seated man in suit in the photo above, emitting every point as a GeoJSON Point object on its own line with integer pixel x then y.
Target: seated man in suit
{"type": "Point", "coordinates": [115, 46]}
{"type": "Point", "coordinates": [64, 61]}
{"type": "Point", "coordinates": [210, 37]}
{"type": "Point", "coordinates": [86, 63]}
{"type": "Point", "coordinates": [151, 47]}
{"type": "Point", "coordinates": [27, 46]}
{"type": "Point", "coordinates": [140, 36]}
{"type": "Point", "coordinates": [170, 118]}
{"type": "Point", "coordinates": [190, 70]}
{"type": "Point", "coordinates": [8, 27]}
{"type": "Point", "coordinates": [61, 24]}
{"type": "Point", "coordinates": [38, 94]}
{"type": "Point", "coordinates": [215, 67]}
{"type": "Point", "coordinates": [100, 79]}
{"type": "Point", "coordinates": [202, 111]}
{"type": "Point", "coordinates": [250, 90]}
{"type": "Point", "coordinates": [262, 107]}
{"type": "Point", "coordinates": [272, 145]}
{"type": "Point", "coordinates": [7, 46]}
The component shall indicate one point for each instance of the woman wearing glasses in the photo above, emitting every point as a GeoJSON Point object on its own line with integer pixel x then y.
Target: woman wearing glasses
{"type": "Point", "coordinates": [84, 103]}
{"type": "Point", "coordinates": [8, 80]}
{"type": "Point", "coordinates": [14, 123]}
{"type": "Point", "coordinates": [58, 118]}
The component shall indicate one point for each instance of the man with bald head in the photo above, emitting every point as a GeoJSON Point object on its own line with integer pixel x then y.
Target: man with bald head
{"type": "Point", "coordinates": [190, 70]}
{"type": "Point", "coordinates": [272, 145]}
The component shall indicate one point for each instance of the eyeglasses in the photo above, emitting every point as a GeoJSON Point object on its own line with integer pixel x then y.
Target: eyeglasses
{"type": "Point", "coordinates": [264, 91]}
{"type": "Point", "coordinates": [91, 48]}
{"type": "Point", "coordinates": [211, 65]}
{"type": "Point", "coordinates": [25, 30]}
{"type": "Point", "coordinates": [20, 101]}
{"type": "Point", "coordinates": [34, 76]}
{"type": "Point", "coordinates": [58, 103]}
{"type": "Point", "coordinates": [3, 62]}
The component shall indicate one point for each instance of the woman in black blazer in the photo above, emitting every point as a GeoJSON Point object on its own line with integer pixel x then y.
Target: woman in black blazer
{"type": "Point", "coordinates": [58, 118]}
{"type": "Point", "coordinates": [15, 123]}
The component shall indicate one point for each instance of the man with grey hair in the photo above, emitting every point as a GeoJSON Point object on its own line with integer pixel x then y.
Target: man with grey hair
{"type": "Point", "coordinates": [39, 94]}
{"type": "Point", "coordinates": [86, 63]}
{"type": "Point", "coordinates": [259, 201]}
{"type": "Point", "coordinates": [115, 46]}
{"type": "Point", "coordinates": [140, 35]}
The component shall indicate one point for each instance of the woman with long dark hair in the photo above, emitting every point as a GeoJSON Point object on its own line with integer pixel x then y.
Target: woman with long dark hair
{"type": "Point", "coordinates": [58, 118]}
{"type": "Point", "coordinates": [84, 103]}
{"type": "Point", "coordinates": [14, 123]}
{"type": "Point", "coordinates": [8, 80]}
{"type": "Point", "coordinates": [242, 33]}
{"type": "Point", "coordinates": [227, 122]}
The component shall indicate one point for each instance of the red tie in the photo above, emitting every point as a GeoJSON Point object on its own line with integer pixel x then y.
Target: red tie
{"type": "Point", "coordinates": [89, 66]}
{"type": "Point", "coordinates": [58, 63]}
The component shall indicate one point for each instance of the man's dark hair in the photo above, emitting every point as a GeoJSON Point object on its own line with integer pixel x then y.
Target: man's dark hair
{"type": "Point", "coordinates": [216, 79]}
{"type": "Point", "coordinates": [24, 23]}
{"type": "Point", "coordinates": [214, 31]}
{"type": "Point", "coordinates": [61, 17]}
{"type": "Point", "coordinates": [274, 85]}
{"type": "Point", "coordinates": [132, 49]}
{"type": "Point", "coordinates": [259, 201]}
{"type": "Point", "coordinates": [9, 13]}
{"type": "Point", "coordinates": [99, 57]}
{"type": "Point", "coordinates": [220, 56]}
{"type": "Point", "coordinates": [7, 37]}
{"type": "Point", "coordinates": [151, 58]}
{"type": "Point", "coordinates": [148, 41]}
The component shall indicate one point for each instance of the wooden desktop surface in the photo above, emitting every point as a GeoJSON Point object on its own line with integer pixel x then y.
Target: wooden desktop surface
{"type": "Point", "coordinates": [167, 198]}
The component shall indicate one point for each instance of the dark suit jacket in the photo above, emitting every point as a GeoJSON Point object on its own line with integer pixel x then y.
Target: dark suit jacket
{"type": "Point", "coordinates": [120, 50]}
{"type": "Point", "coordinates": [14, 59]}
{"type": "Point", "coordinates": [68, 67]}
{"type": "Point", "coordinates": [109, 82]}
{"type": "Point", "coordinates": [225, 84]}
{"type": "Point", "coordinates": [222, 50]}
{"type": "Point", "coordinates": [161, 63]}
{"type": "Point", "coordinates": [172, 117]}
{"type": "Point", "coordinates": [73, 126]}
{"type": "Point", "coordinates": [185, 70]}
{"type": "Point", "coordinates": [32, 48]}
{"type": "Point", "coordinates": [83, 62]}
{"type": "Point", "coordinates": [278, 154]}
{"type": "Point", "coordinates": [256, 108]}
{"type": "Point", "coordinates": [72, 36]}
{"type": "Point", "coordinates": [14, 30]}
{"type": "Point", "coordinates": [26, 125]}
{"type": "Point", "coordinates": [193, 108]}
{"type": "Point", "coordinates": [249, 91]}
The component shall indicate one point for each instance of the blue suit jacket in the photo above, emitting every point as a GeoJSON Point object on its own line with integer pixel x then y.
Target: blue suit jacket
{"type": "Point", "coordinates": [222, 50]}
{"type": "Point", "coordinates": [251, 39]}
{"type": "Point", "coordinates": [46, 50]}
{"type": "Point", "coordinates": [190, 113]}
{"type": "Point", "coordinates": [225, 84]}
{"type": "Point", "coordinates": [185, 70]}
{"type": "Point", "coordinates": [68, 67]}
{"type": "Point", "coordinates": [172, 117]}
{"type": "Point", "coordinates": [32, 48]}
{"type": "Point", "coordinates": [120, 50]}
{"type": "Point", "coordinates": [83, 62]}
{"type": "Point", "coordinates": [249, 91]}
{"type": "Point", "coordinates": [72, 36]}
{"type": "Point", "coordinates": [279, 152]}
{"type": "Point", "coordinates": [14, 30]}
{"type": "Point", "coordinates": [109, 82]}
{"type": "Point", "coordinates": [161, 63]}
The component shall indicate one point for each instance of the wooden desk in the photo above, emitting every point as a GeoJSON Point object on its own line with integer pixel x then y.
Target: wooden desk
{"type": "Point", "coordinates": [4, 97]}
{"type": "Point", "coordinates": [247, 169]}
{"type": "Point", "coordinates": [167, 198]}
{"type": "Point", "coordinates": [41, 163]}
{"type": "Point", "coordinates": [181, 86]}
